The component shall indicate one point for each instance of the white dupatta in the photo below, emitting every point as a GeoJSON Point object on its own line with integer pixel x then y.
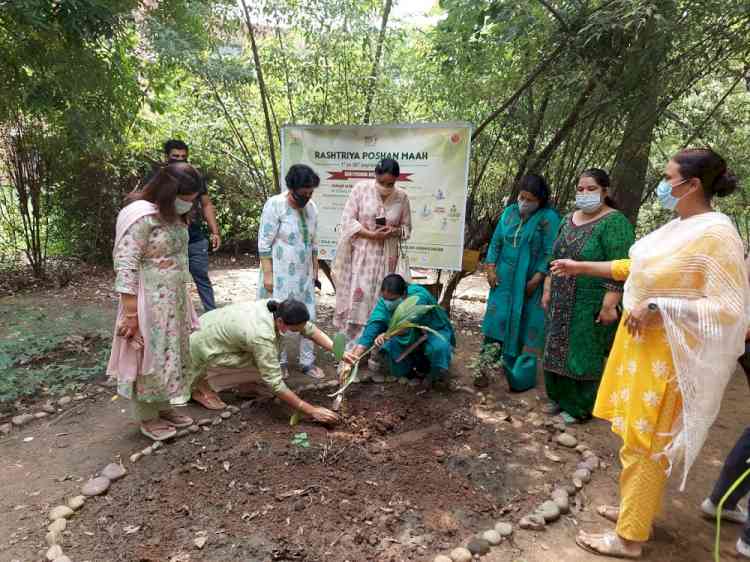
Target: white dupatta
{"type": "Point", "coordinates": [693, 270]}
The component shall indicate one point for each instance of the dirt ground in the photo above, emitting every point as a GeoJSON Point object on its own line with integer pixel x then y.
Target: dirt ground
{"type": "Point", "coordinates": [408, 475]}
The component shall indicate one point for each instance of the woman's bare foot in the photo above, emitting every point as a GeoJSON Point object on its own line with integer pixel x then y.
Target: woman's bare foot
{"type": "Point", "coordinates": [609, 512]}
{"type": "Point", "coordinates": [609, 544]}
{"type": "Point", "coordinates": [206, 397]}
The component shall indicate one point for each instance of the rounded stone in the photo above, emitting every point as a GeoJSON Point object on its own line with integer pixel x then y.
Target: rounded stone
{"type": "Point", "coordinates": [226, 415]}
{"type": "Point", "coordinates": [194, 428]}
{"type": "Point", "coordinates": [135, 457]}
{"type": "Point", "coordinates": [40, 415]}
{"type": "Point", "coordinates": [57, 526]}
{"type": "Point", "coordinates": [478, 546]}
{"type": "Point", "coordinates": [96, 486]}
{"type": "Point", "coordinates": [233, 409]}
{"type": "Point", "coordinates": [591, 463]}
{"type": "Point", "coordinates": [442, 558]}
{"type": "Point", "coordinates": [53, 538]}
{"type": "Point", "coordinates": [147, 451]}
{"type": "Point", "coordinates": [60, 512]}
{"type": "Point", "coordinates": [182, 433]}
{"type": "Point", "coordinates": [22, 419]}
{"type": "Point", "coordinates": [492, 537]}
{"type": "Point", "coordinates": [6, 428]}
{"type": "Point", "coordinates": [64, 401]}
{"type": "Point", "coordinates": [571, 489]}
{"type": "Point", "coordinates": [532, 523]}
{"type": "Point", "coordinates": [54, 553]}
{"type": "Point", "coordinates": [114, 471]}
{"type": "Point", "coordinates": [460, 554]}
{"type": "Point", "coordinates": [563, 503]}
{"type": "Point", "coordinates": [582, 474]}
{"type": "Point", "coordinates": [76, 502]}
{"type": "Point", "coordinates": [566, 440]}
{"type": "Point", "coordinates": [550, 511]}
{"type": "Point", "coordinates": [586, 453]}
{"type": "Point", "coordinates": [218, 419]}
{"type": "Point", "coordinates": [505, 529]}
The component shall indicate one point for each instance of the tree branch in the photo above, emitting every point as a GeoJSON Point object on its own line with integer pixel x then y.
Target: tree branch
{"type": "Point", "coordinates": [376, 61]}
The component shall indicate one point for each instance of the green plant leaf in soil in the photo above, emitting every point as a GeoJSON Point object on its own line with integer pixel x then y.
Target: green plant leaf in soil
{"type": "Point", "coordinates": [294, 419]}
{"type": "Point", "coordinates": [339, 345]}
{"type": "Point", "coordinates": [301, 440]}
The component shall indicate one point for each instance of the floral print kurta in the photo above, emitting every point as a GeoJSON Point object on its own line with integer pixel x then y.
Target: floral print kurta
{"type": "Point", "coordinates": [361, 263]}
{"type": "Point", "coordinates": [289, 237]}
{"type": "Point", "coordinates": [151, 261]}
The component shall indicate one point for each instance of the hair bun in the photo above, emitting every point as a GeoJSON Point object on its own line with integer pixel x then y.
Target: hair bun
{"type": "Point", "coordinates": [273, 306]}
{"type": "Point", "coordinates": [725, 184]}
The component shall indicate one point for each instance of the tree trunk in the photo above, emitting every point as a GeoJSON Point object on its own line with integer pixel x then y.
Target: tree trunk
{"type": "Point", "coordinates": [376, 62]}
{"type": "Point", "coordinates": [263, 97]}
{"type": "Point", "coordinates": [642, 62]}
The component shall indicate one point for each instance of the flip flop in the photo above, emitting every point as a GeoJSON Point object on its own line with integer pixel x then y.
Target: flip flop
{"type": "Point", "coordinates": [314, 372]}
{"type": "Point", "coordinates": [159, 434]}
{"type": "Point", "coordinates": [175, 419]}
{"type": "Point", "coordinates": [208, 401]}
{"type": "Point", "coordinates": [604, 510]}
{"type": "Point", "coordinates": [612, 542]}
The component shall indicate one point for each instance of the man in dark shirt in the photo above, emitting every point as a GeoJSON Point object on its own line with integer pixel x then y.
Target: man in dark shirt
{"type": "Point", "coordinates": [177, 151]}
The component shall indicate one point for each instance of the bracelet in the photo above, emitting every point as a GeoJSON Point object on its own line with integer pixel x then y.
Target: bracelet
{"type": "Point", "coordinates": [133, 315]}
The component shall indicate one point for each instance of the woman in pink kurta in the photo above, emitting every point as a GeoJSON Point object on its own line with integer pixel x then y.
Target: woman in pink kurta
{"type": "Point", "coordinates": [150, 358]}
{"type": "Point", "coordinates": [376, 218]}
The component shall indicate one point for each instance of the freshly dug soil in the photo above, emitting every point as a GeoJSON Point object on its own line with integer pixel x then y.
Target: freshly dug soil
{"type": "Point", "coordinates": [405, 475]}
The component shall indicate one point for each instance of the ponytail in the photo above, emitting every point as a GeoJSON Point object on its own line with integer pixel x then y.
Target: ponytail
{"type": "Point", "coordinates": [291, 311]}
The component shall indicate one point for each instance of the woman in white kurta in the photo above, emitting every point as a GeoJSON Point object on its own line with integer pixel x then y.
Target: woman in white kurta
{"type": "Point", "coordinates": [376, 218]}
{"type": "Point", "coordinates": [288, 249]}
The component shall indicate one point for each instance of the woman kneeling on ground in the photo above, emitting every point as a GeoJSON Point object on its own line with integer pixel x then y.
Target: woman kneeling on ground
{"type": "Point", "coordinates": [411, 354]}
{"type": "Point", "coordinates": [244, 337]}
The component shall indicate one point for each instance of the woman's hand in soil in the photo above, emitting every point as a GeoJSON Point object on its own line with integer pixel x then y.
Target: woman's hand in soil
{"type": "Point", "coordinates": [324, 415]}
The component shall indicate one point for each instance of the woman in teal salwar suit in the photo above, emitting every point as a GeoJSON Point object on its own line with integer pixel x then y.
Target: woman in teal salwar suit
{"type": "Point", "coordinates": [432, 358]}
{"type": "Point", "coordinates": [517, 263]}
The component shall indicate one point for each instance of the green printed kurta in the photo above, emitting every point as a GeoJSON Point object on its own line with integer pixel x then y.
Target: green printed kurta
{"type": "Point", "coordinates": [576, 347]}
{"type": "Point", "coordinates": [240, 336]}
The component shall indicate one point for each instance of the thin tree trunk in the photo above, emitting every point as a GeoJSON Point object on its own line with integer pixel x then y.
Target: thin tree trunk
{"type": "Point", "coordinates": [376, 62]}
{"type": "Point", "coordinates": [286, 76]}
{"type": "Point", "coordinates": [263, 97]}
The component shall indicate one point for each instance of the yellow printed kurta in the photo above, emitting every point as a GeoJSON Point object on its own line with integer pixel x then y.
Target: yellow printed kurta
{"type": "Point", "coordinates": [639, 394]}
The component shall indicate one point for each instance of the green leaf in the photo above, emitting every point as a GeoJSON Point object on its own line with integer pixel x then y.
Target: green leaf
{"type": "Point", "coordinates": [339, 345]}
{"type": "Point", "coordinates": [294, 420]}
{"type": "Point", "coordinates": [402, 311]}
{"type": "Point", "coordinates": [349, 380]}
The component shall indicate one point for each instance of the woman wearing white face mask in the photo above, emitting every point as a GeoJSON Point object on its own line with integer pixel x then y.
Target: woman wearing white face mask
{"type": "Point", "coordinates": [687, 304]}
{"type": "Point", "coordinates": [582, 313]}
{"type": "Point", "coordinates": [516, 265]}
{"type": "Point", "coordinates": [376, 219]}
{"type": "Point", "coordinates": [150, 358]}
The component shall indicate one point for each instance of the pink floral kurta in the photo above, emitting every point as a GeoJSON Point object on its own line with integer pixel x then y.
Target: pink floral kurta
{"type": "Point", "coordinates": [151, 261]}
{"type": "Point", "coordinates": [361, 263]}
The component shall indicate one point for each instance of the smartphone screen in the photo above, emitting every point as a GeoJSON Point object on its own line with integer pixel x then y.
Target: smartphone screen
{"type": "Point", "coordinates": [380, 221]}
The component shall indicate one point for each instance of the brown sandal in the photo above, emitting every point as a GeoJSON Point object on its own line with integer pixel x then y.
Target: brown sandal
{"type": "Point", "coordinates": [158, 430]}
{"type": "Point", "coordinates": [208, 399]}
{"type": "Point", "coordinates": [177, 420]}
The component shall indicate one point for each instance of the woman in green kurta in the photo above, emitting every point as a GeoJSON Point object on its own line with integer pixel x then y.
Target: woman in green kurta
{"type": "Point", "coordinates": [516, 265]}
{"type": "Point", "coordinates": [431, 359]}
{"type": "Point", "coordinates": [583, 311]}
{"type": "Point", "coordinates": [242, 341]}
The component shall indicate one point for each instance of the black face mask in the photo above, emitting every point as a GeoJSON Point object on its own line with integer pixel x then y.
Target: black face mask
{"type": "Point", "coordinates": [299, 199]}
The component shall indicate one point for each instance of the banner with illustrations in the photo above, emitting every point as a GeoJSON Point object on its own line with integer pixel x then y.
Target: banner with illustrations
{"type": "Point", "coordinates": [434, 162]}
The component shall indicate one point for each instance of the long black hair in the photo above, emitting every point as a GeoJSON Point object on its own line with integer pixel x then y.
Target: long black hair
{"type": "Point", "coordinates": [291, 311]}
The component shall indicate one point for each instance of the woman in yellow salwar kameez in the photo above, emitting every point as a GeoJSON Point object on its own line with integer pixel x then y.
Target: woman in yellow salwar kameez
{"type": "Point", "coordinates": [687, 305]}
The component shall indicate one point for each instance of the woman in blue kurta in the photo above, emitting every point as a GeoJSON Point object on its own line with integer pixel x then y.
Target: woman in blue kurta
{"type": "Point", "coordinates": [431, 359]}
{"type": "Point", "coordinates": [516, 263]}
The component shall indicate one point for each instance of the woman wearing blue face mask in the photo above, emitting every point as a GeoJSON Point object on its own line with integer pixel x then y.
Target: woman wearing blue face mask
{"type": "Point", "coordinates": [150, 358]}
{"type": "Point", "coordinates": [516, 265]}
{"type": "Point", "coordinates": [582, 312]}
{"type": "Point", "coordinates": [432, 358]}
{"type": "Point", "coordinates": [686, 311]}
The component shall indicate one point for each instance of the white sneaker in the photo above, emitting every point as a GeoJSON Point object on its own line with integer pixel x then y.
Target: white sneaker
{"type": "Point", "coordinates": [734, 515]}
{"type": "Point", "coordinates": [743, 548]}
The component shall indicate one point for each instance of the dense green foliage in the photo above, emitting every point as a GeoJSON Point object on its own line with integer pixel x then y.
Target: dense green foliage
{"type": "Point", "coordinates": [92, 87]}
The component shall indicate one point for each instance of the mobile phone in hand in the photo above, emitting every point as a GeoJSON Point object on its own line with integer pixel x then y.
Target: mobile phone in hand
{"type": "Point", "coordinates": [380, 221]}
